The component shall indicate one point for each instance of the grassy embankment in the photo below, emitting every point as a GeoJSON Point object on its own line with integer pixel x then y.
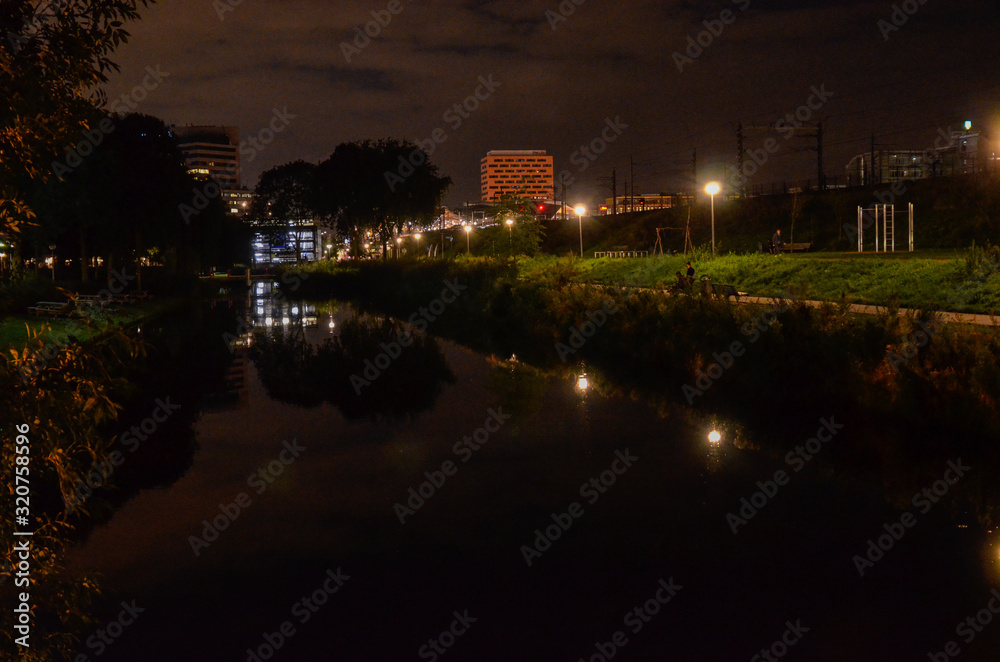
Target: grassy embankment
{"type": "Point", "coordinates": [961, 281]}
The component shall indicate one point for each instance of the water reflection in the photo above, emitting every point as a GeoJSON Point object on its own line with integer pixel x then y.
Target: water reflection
{"type": "Point", "coordinates": [267, 307]}
{"type": "Point", "coordinates": [373, 368]}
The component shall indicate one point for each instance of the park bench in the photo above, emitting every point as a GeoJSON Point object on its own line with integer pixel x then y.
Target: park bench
{"type": "Point", "coordinates": [800, 247]}
{"type": "Point", "coordinates": [92, 300]}
{"type": "Point", "coordinates": [720, 290]}
{"type": "Point", "coordinates": [52, 308]}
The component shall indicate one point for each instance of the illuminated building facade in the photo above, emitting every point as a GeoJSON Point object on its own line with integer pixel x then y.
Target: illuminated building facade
{"type": "Point", "coordinates": [522, 173]}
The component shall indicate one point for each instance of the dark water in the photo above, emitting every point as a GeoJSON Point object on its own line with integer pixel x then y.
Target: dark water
{"type": "Point", "coordinates": [325, 514]}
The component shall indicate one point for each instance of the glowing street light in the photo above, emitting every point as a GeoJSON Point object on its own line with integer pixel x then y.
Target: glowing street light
{"type": "Point", "coordinates": [580, 211]}
{"type": "Point", "coordinates": [583, 383]}
{"type": "Point", "coordinates": [510, 235]}
{"type": "Point", "coordinates": [468, 232]}
{"type": "Point", "coordinates": [712, 189]}
{"type": "Point", "coordinates": [714, 436]}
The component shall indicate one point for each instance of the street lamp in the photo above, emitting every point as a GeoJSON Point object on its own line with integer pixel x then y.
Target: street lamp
{"type": "Point", "coordinates": [468, 246]}
{"type": "Point", "coordinates": [580, 211]}
{"type": "Point", "coordinates": [52, 248]}
{"type": "Point", "coordinates": [399, 240]}
{"type": "Point", "coordinates": [417, 238]}
{"type": "Point", "coordinates": [712, 189]}
{"type": "Point", "coordinates": [510, 235]}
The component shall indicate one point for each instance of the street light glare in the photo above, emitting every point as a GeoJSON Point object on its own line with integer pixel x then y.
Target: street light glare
{"type": "Point", "coordinates": [714, 436]}
{"type": "Point", "coordinates": [580, 210]}
{"type": "Point", "coordinates": [468, 228]}
{"type": "Point", "coordinates": [713, 188]}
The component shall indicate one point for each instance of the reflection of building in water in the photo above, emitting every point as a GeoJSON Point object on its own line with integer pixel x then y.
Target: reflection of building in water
{"type": "Point", "coordinates": [268, 307]}
{"type": "Point", "coordinates": [286, 246]}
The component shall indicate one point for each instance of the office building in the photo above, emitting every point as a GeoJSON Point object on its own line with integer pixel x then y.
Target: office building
{"type": "Point", "coordinates": [211, 153]}
{"type": "Point", "coordinates": [522, 173]}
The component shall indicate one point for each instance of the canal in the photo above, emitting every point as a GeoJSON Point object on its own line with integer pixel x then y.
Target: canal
{"type": "Point", "coordinates": [485, 509]}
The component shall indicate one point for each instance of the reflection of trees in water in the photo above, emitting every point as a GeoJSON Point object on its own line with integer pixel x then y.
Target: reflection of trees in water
{"type": "Point", "coordinates": [374, 368]}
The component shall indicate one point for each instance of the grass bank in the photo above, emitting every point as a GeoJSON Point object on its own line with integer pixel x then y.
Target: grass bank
{"type": "Point", "coordinates": [966, 281]}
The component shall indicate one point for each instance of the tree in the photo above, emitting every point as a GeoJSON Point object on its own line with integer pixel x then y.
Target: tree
{"type": "Point", "coordinates": [378, 186]}
{"type": "Point", "coordinates": [123, 199]}
{"type": "Point", "coordinates": [524, 235]}
{"type": "Point", "coordinates": [53, 57]}
{"type": "Point", "coordinates": [285, 196]}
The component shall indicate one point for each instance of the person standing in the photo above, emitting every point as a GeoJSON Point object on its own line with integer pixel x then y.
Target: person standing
{"type": "Point", "coordinates": [778, 242]}
{"type": "Point", "coordinates": [690, 272]}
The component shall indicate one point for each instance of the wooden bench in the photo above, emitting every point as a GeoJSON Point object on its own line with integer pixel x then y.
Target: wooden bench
{"type": "Point", "coordinates": [52, 308]}
{"type": "Point", "coordinates": [92, 300]}
{"type": "Point", "coordinates": [720, 290]}
{"type": "Point", "coordinates": [791, 248]}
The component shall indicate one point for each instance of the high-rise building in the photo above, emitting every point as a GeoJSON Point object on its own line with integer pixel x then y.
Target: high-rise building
{"type": "Point", "coordinates": [523, 173]}
{"type": "Point", "coordinates": [211, 152]}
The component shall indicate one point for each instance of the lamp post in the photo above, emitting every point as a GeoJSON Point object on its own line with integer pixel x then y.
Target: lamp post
{"type": "Point", "coordinates": [417, 237]}
{"type": "Point", "coordinates": [52, 248]}
{"type": "Point", "coordinates": [399, 240]}
{"type": "Point", "coordinates": [468, 245]}
{"type": "Point", "coordinates": [712, 188]}
{"type": "Point", "coordinates": [580, 211]}
{"type": "Point", "coordinates": [510, 236]}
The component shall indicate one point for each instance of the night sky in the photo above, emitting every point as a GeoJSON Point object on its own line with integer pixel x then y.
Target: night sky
{"type": "Point", "coordinates": [557, 87]}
